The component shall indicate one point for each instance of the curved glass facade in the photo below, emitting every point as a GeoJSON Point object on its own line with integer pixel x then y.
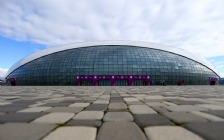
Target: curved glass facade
{"type": "Point", "coordinates": [63, 67]}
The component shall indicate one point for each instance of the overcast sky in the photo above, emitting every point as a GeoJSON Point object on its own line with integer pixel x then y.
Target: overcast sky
{"type": "Point", "coordinates": [194, 25]}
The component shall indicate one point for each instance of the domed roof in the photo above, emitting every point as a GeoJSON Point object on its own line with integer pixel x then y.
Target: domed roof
{"type": "Point", "coordinates": [100, 43]}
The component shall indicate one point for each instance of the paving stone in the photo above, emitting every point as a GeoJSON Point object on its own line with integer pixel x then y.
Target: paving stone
{"type": "Point", "coordinates": [105, 96]}
{"type": "Point", "coordinates": [117, 106]}
{"type": "Point", "coordinates": [89, 115]}
{"type": "Point", "coordinates": [154, 104]}
{"type": "Point", "coordinates": [116, 101]}
{"type": "Point", "coordinates": [36, 104]}
{"type": "Point", "coordinates": [20, 117]}
{"type": "Point", "coordinates": [153, 100]}
{"type": "Point", "coordinates": [24, 131]}
{"type": "Point", "coordinates": [170, 133]}
{"type": "Point", "coordinates": [65, 109]}
{"type": "Point", "coordinates": [190, 102]}
{"type": "Point", "coordinates": [141, 109]}
{"type": "Point", "coordinates": [10, 109]}
{"type": "Point", "coordinates": [79, 105]}
{"type": "Point", "coordinates": [140, 99]}
{"type": "Point", "coordinates": [139, 95]}
{"type": "Point", "coordinates": [168, 103]}
{"type": "Point", "coordinates": [31, 100]}
{"type": "Point", "coordinates": [94, 123]}
{"type": "Point", "coordinates": [9, 97]}
{"type": "Point", "coordinates": [184, 108]}
{"type": "Point", "coordinates": [116, 98]}
{"type": "Point", "coordinates": [120, 131]}
{"type": "Point", "coordinates": [118, 116]}
{"type": "Point", "coordinates": [208, 130]}
{"type": "Point", "coordinates": [89, 102]}
{"type": "Point", "coordinates": [56, 104]}
{"type": "Point", "coordinates": [183, 102]}
{"type": "Point", "coordinates": [159, 109]}
{"type": "Point", "coordinates": [72, 132]}
{"type": "Point", "coordinates": [54, 118]}
{"type": "Point", "coordinates": [96, 107]}
{"type": "Point", "coordinates": [183, 117]}
{"type": "Point", "coordinates": [35, 109]}
{"type": "Point", "coordinates": [90, 99]}
{"type": "Point", "coordinates": [154, 97]}
{"type": "Point", "coordinates": [54, 101]}
{"type": "Point", "coordinates": [101, 102]}
{"type": "Point", "coordinates": [19, 105]}
{"type": "Point", "coordinates": [219, 113]}
{"type": "Point", "coordinates": [130, 99]}
{"type": "Point", "coordinates": [2, 103]}
{"type": "Point", "coordinates": [207, 116]}
{"type": "Point", "coordinates": [144, 120]}
{"type": "Point", "coordinates": [135, 103]}
{"type": "Point", "coordinates": [72, 101]}
{"type": "Point", "coordinates": [211, 106]}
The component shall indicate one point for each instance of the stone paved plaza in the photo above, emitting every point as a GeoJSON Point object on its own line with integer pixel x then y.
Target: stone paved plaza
{"type": "Point", "coordinates": [112, 113]}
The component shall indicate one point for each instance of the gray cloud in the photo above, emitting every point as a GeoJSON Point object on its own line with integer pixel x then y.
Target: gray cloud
{"type": "Point", "coordinates": [196, 26]}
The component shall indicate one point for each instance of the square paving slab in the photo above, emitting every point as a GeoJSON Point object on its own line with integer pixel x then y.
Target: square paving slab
{"type": "Point", "coordinates": [24, 131]}
{"type": "Point", "coordinates": [118, 116]}
{"type": "Point", "coordinates": [94, 123]}
{"type": "Point", "coordinates": [209, 130]}
{"type": "Point", "coordinates": [54, 118]}
{"type": "Point", "coordinates": [170, 133]}
{"type": "Point", "coordinates": [20, 117]}
{"type": "Point", "coordinates": [96, 107]}
{"type": "Point", "coordinates": [141, 109]}
{"type": "Point", "coordinates": [117, 106]}
{"type": "Point", "coordinates": [120, 131]}
{"type": "Point", "coordinates": [144, 120]}
{"type": "Point", "coordinates": [72, 132]}
{"type": "Point", "coordinates": [184, 108]}
{"type": "Point", "coordinates": [65, 109]}
{"type": "Point", "coordinates": [182, 117]}
{"type": "Point", "coordinates": [89, 115]}
{"type": "Point", "coordinates": [219, 113]}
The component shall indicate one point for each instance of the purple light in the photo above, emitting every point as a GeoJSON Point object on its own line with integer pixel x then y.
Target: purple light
{"type": "Point", "coordinates": [113, 78]}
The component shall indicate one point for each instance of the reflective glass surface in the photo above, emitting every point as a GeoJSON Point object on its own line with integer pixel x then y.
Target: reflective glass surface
{"type": "Point", "coordinates": [61, 68]}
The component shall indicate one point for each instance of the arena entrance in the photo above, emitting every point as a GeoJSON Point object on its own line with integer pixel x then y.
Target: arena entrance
{"type": "Point", "coordinates": [104, 83]}
{"type": "Point", "coordinates": [86, 83]}
{"type": "Point", "coordinates": [121, 83]}
{"type": "Point", "coordinates": [112, 80]}
{"type": "Point", "coordinates": [139, 83]}
{"type": "Point", "coordinates": [212, 80]}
